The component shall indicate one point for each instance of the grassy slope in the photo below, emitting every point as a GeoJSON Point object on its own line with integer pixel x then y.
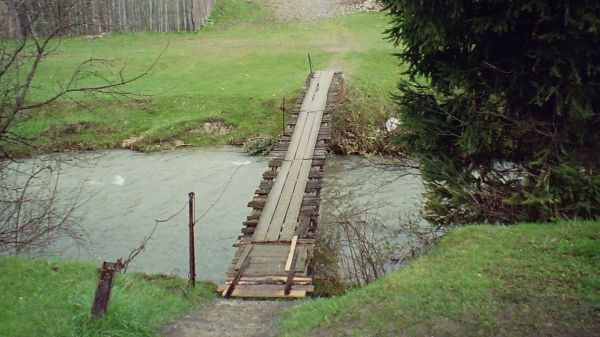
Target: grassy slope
{"type": "Point", "coordinates": [238, 69]}
{"type": "Point", "coordinates": [53, 298]}
{"type": "Point", "coordinates": [525, 280]}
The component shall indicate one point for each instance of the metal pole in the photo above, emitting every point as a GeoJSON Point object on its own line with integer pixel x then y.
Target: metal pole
{"type": "Point", "coordinates": [192, 274]}
{"type": "Point", "coordinates": [310, 64]}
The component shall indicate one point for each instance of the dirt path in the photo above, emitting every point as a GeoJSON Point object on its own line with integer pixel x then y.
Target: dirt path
{"type": "Point", "coordinates": [309, 10]}
{"type": "Point", "coordinates": [305, 10]}
{"type": "Point", "coordinates": [224, 318]}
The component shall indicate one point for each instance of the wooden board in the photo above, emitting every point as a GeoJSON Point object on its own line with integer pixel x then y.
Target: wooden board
{"type": "Point", "coordinates": [303, 131]}
{"type": "Point", "coordinates": [288, 263]}
{"type": "Point", "coordinates": [268, 291]}
{"type": "Point", "coordinates": [284, 201]}
{"type": "Point", "coordinates": [312, 139]}
{"type": "Point", "coordinates": [293, 210]}
{"type": "Point", "coordinates": [316, 99]}
{"type": "Point", "coordinates": [313, 87]}
{"type": "Point", "coordinates": [244, 254]}
{"type": "Point", "coordinates": [298, 130]}
{"type": "Point", "coordinates": [287, 215]}
{"type": "Point", "coordinates": [267, 214]}
{"type": "Point", "coordinates": [270, 279]}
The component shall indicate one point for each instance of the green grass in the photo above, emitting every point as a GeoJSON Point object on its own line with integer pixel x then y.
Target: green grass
{"type": "Point", "coordinates": [523, 280]}
{"type": "Point", "coordinates": [237, 70]}
{"type": "Point", "coordinates": [54, 298]}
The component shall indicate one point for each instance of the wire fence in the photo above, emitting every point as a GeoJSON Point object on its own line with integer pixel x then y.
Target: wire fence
{"type": "Point", "coordinates": [94, 17]}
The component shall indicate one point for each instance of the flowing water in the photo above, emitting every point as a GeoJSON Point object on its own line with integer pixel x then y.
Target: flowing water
{"type": "Point", "coordinates": [125, 192]}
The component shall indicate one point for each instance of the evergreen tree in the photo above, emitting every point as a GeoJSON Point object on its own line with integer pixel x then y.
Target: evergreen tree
{"type": "Point", "coordinates": [503, 106]}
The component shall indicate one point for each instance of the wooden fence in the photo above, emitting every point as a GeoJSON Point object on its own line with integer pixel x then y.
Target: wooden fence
{"type": "Point", "coordinates": [92, 17]}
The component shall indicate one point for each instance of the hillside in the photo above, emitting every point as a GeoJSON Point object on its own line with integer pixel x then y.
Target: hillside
{"type": "Point", "coordinates": [223, 84]}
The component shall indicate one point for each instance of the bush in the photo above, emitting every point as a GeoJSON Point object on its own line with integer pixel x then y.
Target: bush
{"type": "Point", "coordinates": [259, 145]}
{"type": "Point", "coordinates": [506, 130]}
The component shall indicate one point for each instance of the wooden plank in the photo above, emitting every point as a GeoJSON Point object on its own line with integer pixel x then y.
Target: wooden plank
{"type": "Point", "coordinates": [313, 88]}
{"type": "Point", "coordinates": [265, 270]}
{"type": "Point", "coordinates": [284, 202]}
{"type": "Point", "coordinates": [298, 129]}
{"type": "Point", "coordinates": [297, 135]}
{"type": "Point", "coordinates": [312, 141]}
{"type": "Point", "coordinates": [301, 124]}
{"type": "Point", "coordinates": [266, 291]}
{"type": "Point", "coordinates": [297, 151]}
{"type": "Point", "coordinates": [288, 264]}
{"type": "Point", "coordinates": [309, 288]}
{"type": "Point", "coordinates": [251, 223]}
{"type": "Point", "coordinates": [272, 268]}
{"type": "Point", "coordinates": [270, 279]}
{"type": "Point", "coordinates": [244, 254]}
{"type": "Point", "coordinates": [267, 214]}
{"type": "Point", "coordinates": [315, 92]}
{"type": "Point", "coordinates": [317, 99]}
{"type": "Point", "coordinates": [291, 270]}
{"type": "Point", "coordinates": [293, 210]}
{"type": "Point", "coordinates": [296, 283]}
{"type": "Point", "coordinates": [270, 250]}
{"type": "Point", "coordinates": [236, 278]}
{"type": "Point", "coordinates": [279, 259]}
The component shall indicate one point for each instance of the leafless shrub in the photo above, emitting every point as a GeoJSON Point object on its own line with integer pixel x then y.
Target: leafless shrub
{"type": "Point", "coordinates": [32, 214]}
{"type": "Point", "coordinates": [357, 241]}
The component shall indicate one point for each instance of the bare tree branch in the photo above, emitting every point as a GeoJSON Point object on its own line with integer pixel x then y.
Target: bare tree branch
{"type": "Point", "coordinates": [32, 213]}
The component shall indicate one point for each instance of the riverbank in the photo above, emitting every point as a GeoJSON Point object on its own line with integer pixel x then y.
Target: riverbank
{"type": "Point", "coordinates": [48, 297]}
{"type": "Point", "coordinates": [522, 280]}
{"type": "Point", "coordinates": [221, 85]}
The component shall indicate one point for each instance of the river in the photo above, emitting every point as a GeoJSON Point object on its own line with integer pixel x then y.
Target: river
{"type": "Point", "coordinates": [125, 192]}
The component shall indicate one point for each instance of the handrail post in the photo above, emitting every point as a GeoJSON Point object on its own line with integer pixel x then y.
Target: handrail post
{"type": "Point", "coordinates": [192, 222]}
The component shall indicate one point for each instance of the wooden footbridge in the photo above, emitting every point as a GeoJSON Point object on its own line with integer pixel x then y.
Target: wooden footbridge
{"type": "Point", "coordinates": [275, 251]}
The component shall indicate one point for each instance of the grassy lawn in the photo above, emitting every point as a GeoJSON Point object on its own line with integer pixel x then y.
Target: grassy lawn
{"type": "Point", "coordinates": [54, 298]}
{"type": "Point", "coordinates": [234, 72]}
{"type": "Point", "coordinates": [524, 280]}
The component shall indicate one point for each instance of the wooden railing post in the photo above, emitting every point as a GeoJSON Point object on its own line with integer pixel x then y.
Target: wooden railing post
{"type": "Point", "coordinates": [107, 272]}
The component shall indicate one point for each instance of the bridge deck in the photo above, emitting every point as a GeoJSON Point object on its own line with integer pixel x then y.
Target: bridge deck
{"type": "Point", "coordinates": [274, 255]}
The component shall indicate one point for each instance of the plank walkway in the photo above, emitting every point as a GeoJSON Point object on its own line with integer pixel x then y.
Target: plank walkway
{"type": "Point", "coordinates": [275, 250]}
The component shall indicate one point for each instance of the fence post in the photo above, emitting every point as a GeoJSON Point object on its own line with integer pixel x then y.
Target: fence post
{"type": "Point", "coordinates": [192, 222]}
{"type": "Point", "coordinates": [107, 272]}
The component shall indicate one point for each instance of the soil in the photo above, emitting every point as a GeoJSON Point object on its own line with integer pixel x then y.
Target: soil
{"type": "Point", "coordinates": [224, 318]}
{"type": "Point", "coordinates": [307, 10]}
